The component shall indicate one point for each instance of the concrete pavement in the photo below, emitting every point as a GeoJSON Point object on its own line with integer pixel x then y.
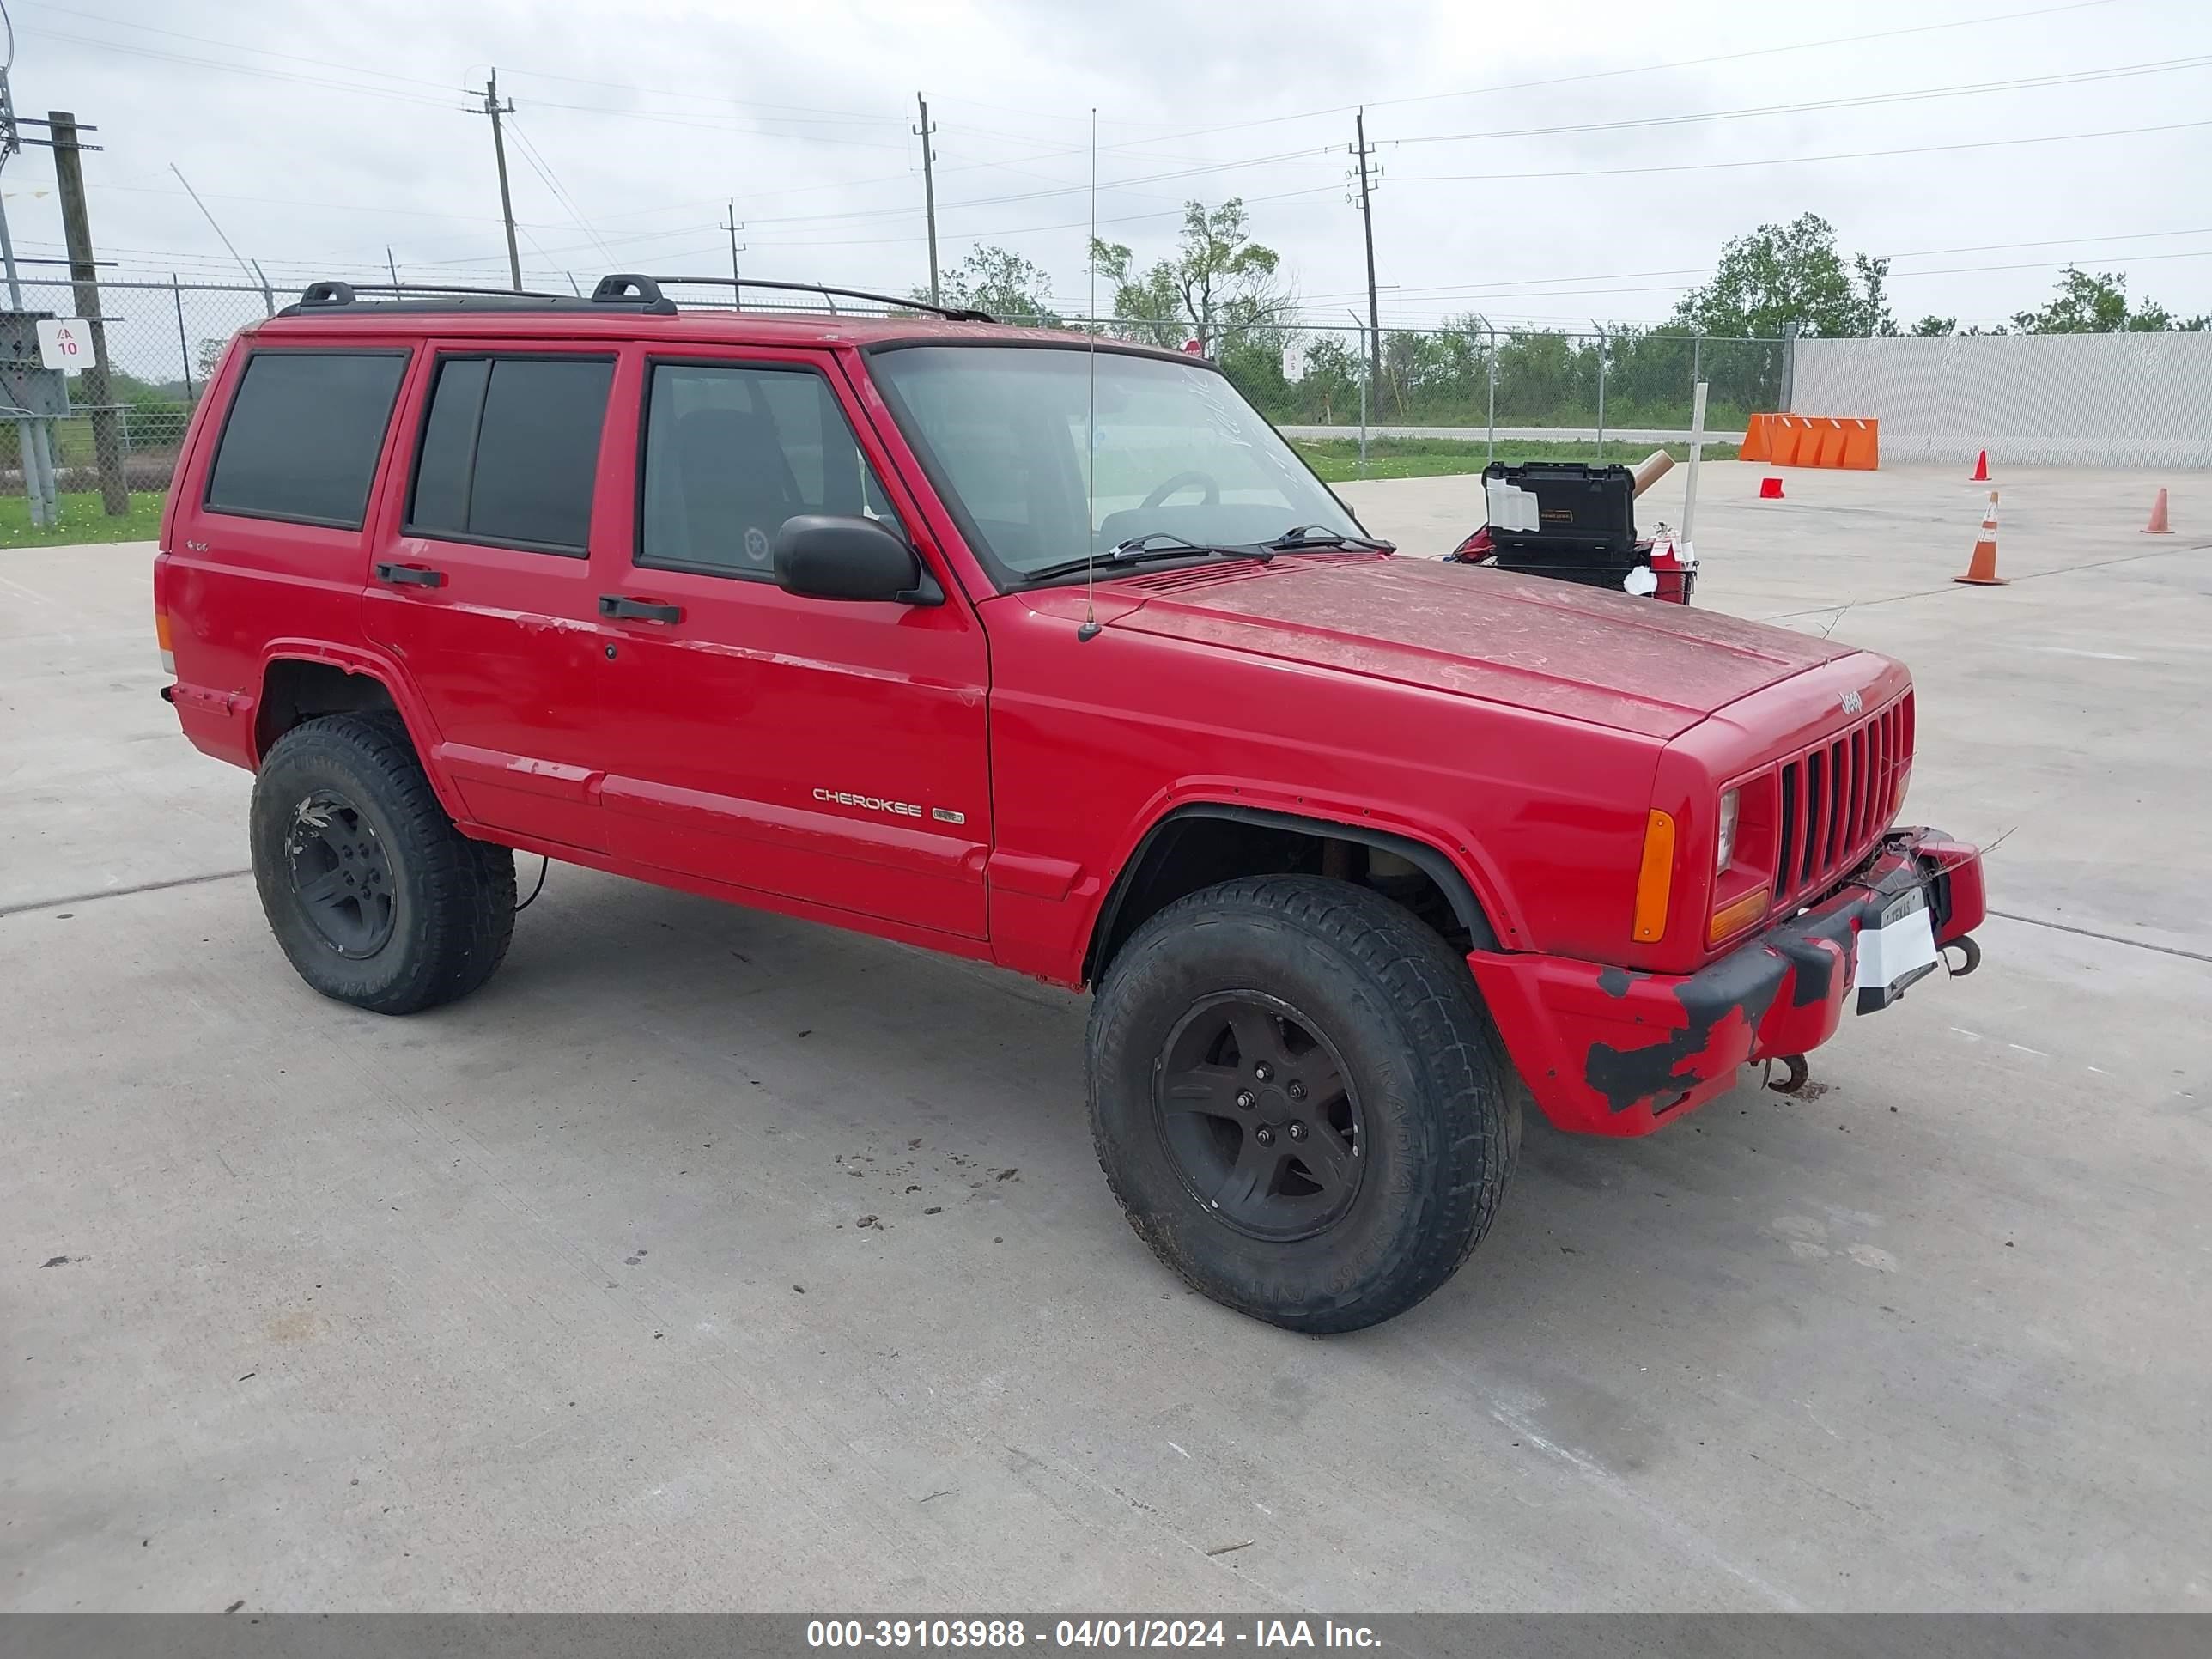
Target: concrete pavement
{"type": "Point", "coordinates": [559, 1297]}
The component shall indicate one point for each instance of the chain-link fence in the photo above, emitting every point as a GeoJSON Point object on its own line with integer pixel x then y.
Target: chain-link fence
{"type": "Point", "coordinates": [1468, 378]}
{"type": "Point", "coordinates": [163, 339]}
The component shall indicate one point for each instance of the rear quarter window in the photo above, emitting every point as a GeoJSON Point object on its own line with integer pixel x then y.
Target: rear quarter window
{"type": "Point", "coordinates": [303, 436]}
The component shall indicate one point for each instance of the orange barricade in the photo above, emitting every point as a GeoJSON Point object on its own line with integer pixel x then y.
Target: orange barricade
{"type": "Point", "coordinates": [1862, 445]}
{"type": "Point", "coordinates": [1812, 440]}
{"type": "Point", "coordinates": [1786, 436]}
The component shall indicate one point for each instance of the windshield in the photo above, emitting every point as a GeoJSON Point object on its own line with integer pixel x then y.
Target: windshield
{"type": "Point", "coordinates": [1006, 432]}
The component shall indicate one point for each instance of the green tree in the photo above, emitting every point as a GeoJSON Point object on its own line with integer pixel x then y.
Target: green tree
{"type": "Point", "coordinates": [1219, 286]}
{"type": "Point", "coordinates": [1931, 325]}
{"type": "Point", "coordinates": [2086, 304]}
{"type": "Point", "coordinates": [1792, 273]}
{"type": "Point", "coordinates": [1002, 282]}
{"type": "Point", "coordinates": [1328, 392]}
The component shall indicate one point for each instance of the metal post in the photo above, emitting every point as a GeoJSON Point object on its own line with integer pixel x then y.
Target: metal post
{"type": "Point", "coordinates": [928, 196]}
{"type": "Point", "coordinates": [1788, 364]}
{"type": "Point", "coordinates": [268, 294]}
{"type": "Point", "coordinates": [1363, 377]}
{"type": "Point", "coordinates": [184, 342]}
{"type": "Point", "coordinates": [1696, 458]}
{"type": "Point", "coordinates": [1601, 396]}
{"type": "Point", "coordinates": [84, 277]}
{"type": "Point", "coordinates": [27, 429]}
{"type": "Point", "coordinates": [391, 265]}
{"type": "Point", "coordinates": [1490, 456]}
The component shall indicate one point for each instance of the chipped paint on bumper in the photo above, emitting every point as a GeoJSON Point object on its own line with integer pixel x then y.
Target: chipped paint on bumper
{"type": "Point", "coordinates": [1614, 1051]}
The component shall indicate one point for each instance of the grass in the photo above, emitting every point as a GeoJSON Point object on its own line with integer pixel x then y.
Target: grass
{"type": "Point", "coordinates": [1337, 459]}
{"type": "Point", "coordinates": [82, 520]}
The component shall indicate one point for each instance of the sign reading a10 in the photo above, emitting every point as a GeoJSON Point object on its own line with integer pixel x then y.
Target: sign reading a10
{"type": "Point", "coordinates": [65, 344]}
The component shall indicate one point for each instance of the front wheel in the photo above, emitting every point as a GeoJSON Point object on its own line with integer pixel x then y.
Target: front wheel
{"type": "Point", "coordinates": [1297, 1100]}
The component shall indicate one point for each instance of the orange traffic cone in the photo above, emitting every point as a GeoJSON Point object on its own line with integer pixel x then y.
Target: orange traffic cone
{"type": "Point", "coordinates": [1770, 489]}
{"type": "Point", "coordinates": [1982, 568]}
{"type": "Point", "coordinates": [2158, 526]}
{"type": "Point", "coordinates": [1981, 469]}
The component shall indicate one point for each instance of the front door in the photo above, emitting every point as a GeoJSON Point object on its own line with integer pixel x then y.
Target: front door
{"type": "Point", "coordinates": [829, 752]}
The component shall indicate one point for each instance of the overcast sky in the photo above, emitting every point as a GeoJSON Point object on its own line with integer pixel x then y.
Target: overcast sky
{"type": "Point", "coordinates": [1556, 163]}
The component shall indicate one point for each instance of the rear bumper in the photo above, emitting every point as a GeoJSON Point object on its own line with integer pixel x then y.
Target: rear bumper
{"type": "Point", "coordinates": [1612, 1051]}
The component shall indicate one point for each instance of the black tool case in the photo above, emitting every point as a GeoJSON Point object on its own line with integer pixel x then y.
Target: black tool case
{"type": "Point", "coordinates": [1581, 527]}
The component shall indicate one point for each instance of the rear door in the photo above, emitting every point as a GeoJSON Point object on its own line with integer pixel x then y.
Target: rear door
{"type": "Point", "coordinates": [831, 752]}
{"type": "Point", "coordinates": [270, 544]}
{"type": "Point", "coordinates": [481, 579]}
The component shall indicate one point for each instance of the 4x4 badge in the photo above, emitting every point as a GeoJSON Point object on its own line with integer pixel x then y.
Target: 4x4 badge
{"type": "Point", "coordinates": [1852, 704]}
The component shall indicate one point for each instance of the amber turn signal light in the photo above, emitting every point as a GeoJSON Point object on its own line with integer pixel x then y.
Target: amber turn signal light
{"type": "Point", "coordinates": [1737, 915]}
{"type": "Point", "coordinates": [1655, 880]}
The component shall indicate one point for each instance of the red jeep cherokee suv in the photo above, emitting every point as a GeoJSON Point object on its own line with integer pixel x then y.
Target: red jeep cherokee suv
{"type": "Point", "coordinates": [1048, 652]}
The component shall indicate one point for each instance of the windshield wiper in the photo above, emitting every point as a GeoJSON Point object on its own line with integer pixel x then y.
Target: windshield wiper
{"type": "Point", "coordinates": [1153, 544]}
{"type": "Point", "coordinates": [1300, 536]}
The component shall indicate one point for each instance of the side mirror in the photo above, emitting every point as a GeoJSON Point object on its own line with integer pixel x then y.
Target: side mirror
{"type": "Point", "coordinates": [825, 556]}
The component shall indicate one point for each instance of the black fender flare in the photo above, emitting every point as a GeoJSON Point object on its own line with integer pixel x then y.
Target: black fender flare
{"type": "Point", "coordinates": [1431, 862]}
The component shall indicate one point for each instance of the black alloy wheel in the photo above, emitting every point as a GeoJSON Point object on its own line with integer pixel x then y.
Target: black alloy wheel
{"type": "Point", "coordinates": [376, 896]}
{"type": "Point", "coordinates": [1258, 1117]}
{"type": "Point", "coordinates": [342, 874]}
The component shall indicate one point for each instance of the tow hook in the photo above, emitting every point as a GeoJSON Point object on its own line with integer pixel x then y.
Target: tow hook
{"type": "Point", "coordinates": [1794, 1073]}
{"type": "Point", "coordinates": [1970, 955]}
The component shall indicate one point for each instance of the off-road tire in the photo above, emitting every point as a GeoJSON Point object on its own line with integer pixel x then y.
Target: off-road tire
{"type": "Point", "coordinates": [451, 914]}
{"type": "Point", "coordinates": [1441, 1118]}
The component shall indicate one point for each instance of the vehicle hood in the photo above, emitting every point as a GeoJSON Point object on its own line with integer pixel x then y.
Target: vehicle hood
{"type": "Point", "coordinates": [1581, 653]}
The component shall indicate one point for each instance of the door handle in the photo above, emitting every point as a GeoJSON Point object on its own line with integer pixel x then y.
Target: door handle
{"type": "Point", "coordinates": [653, 610]}
{"type": "Point", "coordinates": [410, 575]}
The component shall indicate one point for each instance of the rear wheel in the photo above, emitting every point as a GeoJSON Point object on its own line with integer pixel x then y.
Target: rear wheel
{"type": "Point", "coordinates": [373, 895]}
{"type": "Point", "coordinates": [1297, 1100]}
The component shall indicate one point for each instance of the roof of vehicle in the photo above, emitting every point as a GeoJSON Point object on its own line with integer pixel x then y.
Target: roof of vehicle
{"type": "Point", "coordinates": [639, 311]}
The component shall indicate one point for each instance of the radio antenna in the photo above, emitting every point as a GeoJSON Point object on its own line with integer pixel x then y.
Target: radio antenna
{"type": "Point", "coordinates": [1090, 630]}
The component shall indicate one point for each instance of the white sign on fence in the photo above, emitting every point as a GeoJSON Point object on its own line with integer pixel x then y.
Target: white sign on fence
{"type": "Point", "coordinates": [64, 342]}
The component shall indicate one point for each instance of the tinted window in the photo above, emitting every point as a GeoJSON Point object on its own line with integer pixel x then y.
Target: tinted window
{"type": "Point", "coordinates": [510, 451]}
{"type": "Point", "coordinates": [729, 453]}
{"type": "Point", "coordinates": [303, 435]}
{"type": "Point", "coordinates": [449, 445]}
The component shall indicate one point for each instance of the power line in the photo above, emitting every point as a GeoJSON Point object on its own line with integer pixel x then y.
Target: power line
{"type": "Point", "coordinates": [544, 168]}
{"type": "Point", "coordinates": [2124, 71]}
{"type": "Point", "coordinates": [1860, 39]}
{"type": "Point", "coordinates": [1790, 160]}
{"type": "Point", "coordinates": [1480, 290]}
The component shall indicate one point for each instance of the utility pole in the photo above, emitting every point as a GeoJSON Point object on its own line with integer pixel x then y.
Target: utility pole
{"type": "Point", "coordinates": [494, 108]}
{"type": "Point", "coordinates": [1369, 178]}
{"type": "Point", "coordinates": [84, 277]}
{"type": "Point", "coordinates": [929, 195]}
{"type": "Point", "coordinates": [30, 434]}
{"type": "Point", "coordinates": [733, 226]}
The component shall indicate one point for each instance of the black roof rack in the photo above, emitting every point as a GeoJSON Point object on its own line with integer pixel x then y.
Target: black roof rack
{"type": "Point", "coordinates": [630, 292]}
{"type": "Point", "coordinates": [624, 291]}
{"type": "Point", "coordinates": [951, 314]}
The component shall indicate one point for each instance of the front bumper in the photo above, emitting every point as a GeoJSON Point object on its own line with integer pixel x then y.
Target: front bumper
{"type": "Point", "coordinates": [1614, 1051]}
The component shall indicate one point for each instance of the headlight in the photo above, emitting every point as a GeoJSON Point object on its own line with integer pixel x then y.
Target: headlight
{"type": "Point", "coordinates": [1726, 849]}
